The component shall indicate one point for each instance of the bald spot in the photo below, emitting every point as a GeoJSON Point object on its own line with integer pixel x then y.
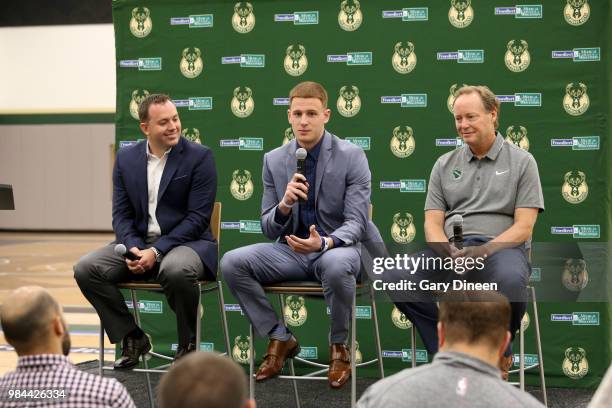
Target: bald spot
{"type": "Point", "coordinates": [26, 314]}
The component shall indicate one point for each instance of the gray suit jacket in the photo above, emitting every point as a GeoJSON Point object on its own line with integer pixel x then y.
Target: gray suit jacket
{"type": "Point", "coordinates": [342, 191]}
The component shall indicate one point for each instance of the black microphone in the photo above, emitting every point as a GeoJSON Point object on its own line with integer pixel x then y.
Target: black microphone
{"type": "Point", "coordinates": [458, 231]}
{"type": "Point", "coordinates": [300, 155]}
{"type": "Point", "coordinates": [121, 250]}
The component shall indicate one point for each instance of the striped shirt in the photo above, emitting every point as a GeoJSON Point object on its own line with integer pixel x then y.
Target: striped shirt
{"type": "Point", "coordinates": [45, 380]}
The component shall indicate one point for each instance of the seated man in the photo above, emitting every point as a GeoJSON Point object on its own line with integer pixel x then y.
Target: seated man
{"type": "Point", "coordinates": [472, 335]}
{"type": "Point", "coordinates": [205, 380]}
{"type": "Point", "coordinates": [33, 324]}
{"type": "Point", "coordinates": [318, 219]}
{"type": "Point", "coordinates": [163, 195]}
{"type": "Point", "coordinates": [495, 187]}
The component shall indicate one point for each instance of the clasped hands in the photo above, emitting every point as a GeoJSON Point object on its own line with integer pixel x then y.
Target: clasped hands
{"type": "Point", "coordinates": [146, 262]}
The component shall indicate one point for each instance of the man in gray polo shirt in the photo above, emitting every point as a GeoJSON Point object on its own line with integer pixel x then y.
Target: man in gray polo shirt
{"type": "Point", "coordinates": [472, 335]}
{"type": "Point", "coordinates": [495, 187]}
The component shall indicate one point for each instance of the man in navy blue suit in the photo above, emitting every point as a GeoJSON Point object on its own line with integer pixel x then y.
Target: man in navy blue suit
{"type": "Point", "coordinates": [163, 196]}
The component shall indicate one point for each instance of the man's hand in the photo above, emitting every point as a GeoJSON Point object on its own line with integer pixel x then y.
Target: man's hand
{"type": "Point", "coordinates": [297, 188]}
{"type": "Point", "coordinates": [474, 252]}
{"type": "Point", "coordinates": [305, 246]}
{"type": "Point", "coordinates": [134, 266]}
{"type": "Point", "coordinates": [147, 259]}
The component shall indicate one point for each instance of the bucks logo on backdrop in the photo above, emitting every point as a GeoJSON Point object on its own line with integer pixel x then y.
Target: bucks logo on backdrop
{"type": "Point", "coordinates": [402, 142]}
{"type": "Point", "coordinates": [138, 95]}
{"type": "Point", "coordinates": [452, 95]}
{"type": "Point", "coordinates": [575, 275]}
{"type": "Point", "coordinates": [140, 23]}
{"type": "Point", "coordinates": [350, 16]}
{"type": "Point", "coordinates": [399, 319]}
{"type": "Point", "coordinates": [358, 355]}
{"type": "Point", "coordinates": [289, 136]}
{"type": "Point", "coordinates": [575, 364]}
{"type": "Point", "coordinates": [403, 230]}
{"type": "Point", "coordinates": [517, 56]}
{"type": "Point", "coordinates": [242, 103]}
{"type": "Point", "coordinates": [240, 351]}
{"type": "Point", "coordinates": [192, 135]}
{"type": "Point", "coordinates": [575, 188]}
{"type": "Point", "coordinates": [295, 62]}
{"type": "Point", "coordinates": [577, 12]}
{"type": "Point", "coordinates": [349, 103]}
{"type": "Point", "coordinates": [517, 135]}
{"type": "Point", "coordinates": [295, 311]}
{"type": "Point", "coordinates": [461, 13]}
{"type": "Point", "coordinates": [525, 321]}
{"type": "Point", "coordinates": [243, 19]}
{"type": "Point", "coordinates": [404, 59]}
{"type": "Point", "coordinates": [241, 186]}
{"type": "Point", "coordinates": [191, 62]}
{"type": "Point", "coordinates": [576, 100]}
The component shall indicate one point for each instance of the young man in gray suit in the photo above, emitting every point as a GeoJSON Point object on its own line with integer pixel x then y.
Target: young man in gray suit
{"type": "Point", "coordinates": [317, 220]}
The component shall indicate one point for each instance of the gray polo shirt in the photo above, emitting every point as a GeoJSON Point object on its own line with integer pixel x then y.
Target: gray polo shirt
{"type": "Point", "coordinates": [485, 192]}
{"type": "Point", "coordinates": [451, 380]}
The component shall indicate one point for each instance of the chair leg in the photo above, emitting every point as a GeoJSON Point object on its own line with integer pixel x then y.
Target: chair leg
{"type": "Point", "coordinates": [353, 349]}
{"type": "Point", "coordinates": [144, 357]}
{"type": "Point", "coordinates": [101, 352]}
{"type": "Point", "coordinates": [413, 344]}
{"type": "Point", "coordinates": [251, 363]}
{"type": "Point", "coordinates": [199, 318]}
{"type": "Point", "coordinates": [224, 318]}
{"type": "Point", "coordinates": [539, 345]}
{"type": "Point", "coordinates": [522, 358]}
{"type": "Point", "coordinates": [377, 334]}
{"type": "Point", "coordinates": [281, 300]}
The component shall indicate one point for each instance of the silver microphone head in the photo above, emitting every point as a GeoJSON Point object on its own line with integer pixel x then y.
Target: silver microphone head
{"type": "Point", "coordinates": [457, 220]}
{"type": "Point", "coordinates": [301, 153]}
{"type": "Point", "coordinates": [120, 250]}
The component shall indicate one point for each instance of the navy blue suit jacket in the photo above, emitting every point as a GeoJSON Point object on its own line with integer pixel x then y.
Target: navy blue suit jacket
{"type": "Point", "coordinates": [185, 200]}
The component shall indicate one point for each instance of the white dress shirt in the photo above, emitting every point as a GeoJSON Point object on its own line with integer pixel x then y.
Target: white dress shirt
{"type": "Point", "coordinates": [155, 169]}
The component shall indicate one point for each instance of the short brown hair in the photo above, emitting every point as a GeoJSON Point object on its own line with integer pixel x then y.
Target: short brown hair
{"type": "Point", "coordinates": [475, 316]}
{"type": "Point", "coordinates": [309, 89]}
{"type": "Point", "coordinates": [143, 108]}
{"type": "Point", "coordinates": [488, 98]}
{"type": "Point", "coordinates": [204, 380]}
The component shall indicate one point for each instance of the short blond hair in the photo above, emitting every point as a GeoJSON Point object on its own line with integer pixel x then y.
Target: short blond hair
{"type": "Point", "coordinates": [488, 98]}
{"type": "Point", "coordinates": [309, 89]}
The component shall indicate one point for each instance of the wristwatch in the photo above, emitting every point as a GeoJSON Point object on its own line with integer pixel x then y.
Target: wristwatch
{"type": "Point", "coordinates": [158, 254]}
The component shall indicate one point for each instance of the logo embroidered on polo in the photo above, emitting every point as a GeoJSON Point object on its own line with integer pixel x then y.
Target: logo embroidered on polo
{"type": "Point", "coordinates": [242, 104]}
{"type": "Point", "coordinates": [241, 186]}
{"type": "Point", "coordinates": [295, 311]}
{"type": "Point", "coordinates": [517, 135]}
{"type": "Point", "coordinates": [191, 64]}
{"type": "Point", "coordinates": [295, 62]}
{"type": "Point", "coordinates": [140, 23]}
{"type": "Point", "coordinates": [461, 13]}
{"type": "Point", "coordinates": [517, 56]}
{"type": "Point", "coordinates": [243, 19]}
{"type": "Point", "coordinates": [577, 12]}
{"type": "Point", "coordinates": [457, 173]}
{"type": "Point", "coordinates": [404, 59]}
{"type": "Point", "coordinates": [402, 142]}
{"type": "Point", "coordinates": [349, 103]}
{"type": "Point", "coordinates": [575, 276]}
{"type": "Point", "coordinates": [403, 230]}
{"type": "Point", "coordinates": [575, 365]}
{"type": "Point", "coordinates": [350, 15]}
{"type": "Point", "coordinates": [138, 95]}
{"type": "Point", "coordinates": [576, 100]}
{"type": "Point", "coordinates": [575, 188]}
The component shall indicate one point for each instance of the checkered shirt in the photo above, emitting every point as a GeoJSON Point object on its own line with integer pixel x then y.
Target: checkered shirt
{"type": "Point", "coordinates": [55, 372]}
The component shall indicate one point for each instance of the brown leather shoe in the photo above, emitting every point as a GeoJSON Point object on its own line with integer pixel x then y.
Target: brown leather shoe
{"type": "Point", "coordinates": [339, 365]}
{"type": "Point", "coordinates": [278, 352]}
{"type": "Point", "coordinates": [505, 363]}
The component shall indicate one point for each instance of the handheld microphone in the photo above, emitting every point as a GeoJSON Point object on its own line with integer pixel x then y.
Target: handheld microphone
{"type": "Point", "coordinates": [121, 250]}
{"type": "Point", "coordinates": [300, 155]}
{"type": "Point", "coordinates": [458, 231]}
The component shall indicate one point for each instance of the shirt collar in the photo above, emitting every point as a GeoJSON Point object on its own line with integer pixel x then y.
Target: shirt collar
{"type": "Point", "coordinates": [493, 151]}
{"type": "Point", "coordinates": [42, 360]}
{"type": "Point", "coordinates": [454, 357]}
{"type": "Point", "coordinates": [314, 152]}
{"type": "Point", "coordinates": [151, 155]}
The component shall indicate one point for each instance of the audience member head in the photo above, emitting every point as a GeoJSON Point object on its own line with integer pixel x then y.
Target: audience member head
{"type": "Point", "coordinates": [205, 380]}
{"type": "Point", "coordinates": [476, 323]}
{"type": "Point", "coordinates": [33, 323]}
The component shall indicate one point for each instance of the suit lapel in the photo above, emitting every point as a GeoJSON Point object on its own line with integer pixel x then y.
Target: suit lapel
{"type": "Point", "coordinates": [291, 166]}
{"type": "Point", "coordinates": [324, 156]}
{"type": "Point", "coordinates": [174, 159]}
{"type": "Point", "coordinates": [140, 174]}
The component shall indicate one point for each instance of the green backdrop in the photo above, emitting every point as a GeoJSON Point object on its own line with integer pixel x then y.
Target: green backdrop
{"type": "Point", "coordinates": [390, 68]}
